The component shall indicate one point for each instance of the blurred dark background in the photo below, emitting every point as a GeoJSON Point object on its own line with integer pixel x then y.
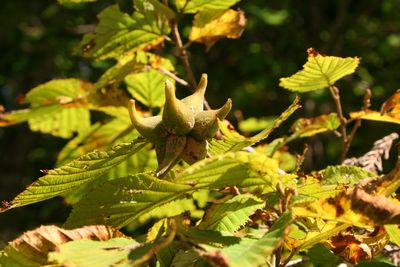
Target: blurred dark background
{"type": "Point", "coordinates": [37, 43]}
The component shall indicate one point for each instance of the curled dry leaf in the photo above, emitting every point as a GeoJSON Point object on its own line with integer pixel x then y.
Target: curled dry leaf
{"type": "Point", "coordinates": [32, 247]}
{"type": "Point", "coordinates": [393, 103]}
{"type": "Point", "coordinates": [354, 248]}
{"type": "Point", "coordinates": [210, 26]}
{"type": "Point", "coordinates": [379, 208]}
{"type": "Point", "coordinates": [305, 127]}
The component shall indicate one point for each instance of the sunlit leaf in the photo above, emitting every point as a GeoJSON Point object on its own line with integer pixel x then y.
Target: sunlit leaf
{"type": "Point", "coordinates": [230, 215]}
{"type": "Point", "coordinates": [117, 32]}
{"type": "Point", "coordinates": [321, 256]}
{"type": "Point", "coordinates": [306, 127]}
{"type": "Point", "coordinates": [304, 235]}
{"type": "Point", "coordinates": [137, 198]}
{"type": "Point", "coordinates": [58, 107]}
{"type": "Point", "coordinates": [319, 72]}
{"type": "Point", "coordinates": [32, 247]}
{"type": "Point", "coordinates": [394, 233]}
{"type": "Point", "coordinates": [210, 26]}
{"type": "Point", "coordinates": [76, 173]}
{"type": "Point", "coordinates": [355, 207]}
{"type": "Point", "coordinates": [391, 116]}
{"type": "Point", "coordinates": [194, 6]}
{"type": "Point", "coordinates": [233, 141]}
{"type": "Point", "coordinates": [232, 169]}
{"type": "Point", "coordinates": [99, 136]}
{"type": "Point", "coordinates": [256, 124]}
{"type": "Point", "coordinates": [147, 87]}
{"type": "Point", "coordinates": [345, 175]}
{"type": "Point", "coordinates": [252, 252]}
{"type": "Point", "coordinates": [93, 253]}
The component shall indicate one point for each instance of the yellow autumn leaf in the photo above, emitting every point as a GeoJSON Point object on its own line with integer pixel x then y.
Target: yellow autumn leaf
{"type": "Point", "coordinates": [210, 26]}
{"type": "Point", "coordinates": [390, 111]}
{"type": "Point", "coordinates": [319, 72]}
{"type": "Point", "coordinates": [393, 117]}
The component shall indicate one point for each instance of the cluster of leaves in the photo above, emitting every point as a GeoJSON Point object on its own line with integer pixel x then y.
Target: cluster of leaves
{"type": "Point", "coordinates": [246, 204]}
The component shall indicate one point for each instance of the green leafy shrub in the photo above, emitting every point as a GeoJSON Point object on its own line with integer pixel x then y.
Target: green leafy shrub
{"type": "Point", "coordinates": [188, 189]}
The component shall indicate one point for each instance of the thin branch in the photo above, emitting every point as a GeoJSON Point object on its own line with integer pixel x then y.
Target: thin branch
{"type": "Point", "coordinates": [357, 124]}
{"type": "Point", "coordinates": [183, 55]}
{"type": "Point", "coordinates": [336, 98]}
{"type": "Point", "coordinates": [185, 59]}
{"type": "Point", "coordinates": [173, 76]}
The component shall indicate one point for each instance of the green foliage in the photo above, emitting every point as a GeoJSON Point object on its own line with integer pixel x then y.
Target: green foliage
{"type": "Point", "coordinates": [189, 188]}
{"type": "Point", "coordinates": [319, 72]}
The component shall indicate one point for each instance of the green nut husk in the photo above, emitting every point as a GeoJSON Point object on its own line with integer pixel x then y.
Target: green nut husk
{"type": "Point", "coordinates": [168, 156]}
{"type": "Point", "coordinates": [149, 128]}
{"type": "Point", "coordinates": [177, 117]}
{"type": "Point", "coordinates": [182, 131]}
{"type": "Point", "coordinates": [194, 150]}
{"type": "Point", "coordinates": [206, 122]}
{"type": "Point", "coordinates": [196, 100]}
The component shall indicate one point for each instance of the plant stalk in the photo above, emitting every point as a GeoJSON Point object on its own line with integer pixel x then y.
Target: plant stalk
{"type": "Point", "coordinates": [345, 141]}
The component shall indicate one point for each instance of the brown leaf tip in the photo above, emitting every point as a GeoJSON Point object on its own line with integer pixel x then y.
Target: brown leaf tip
{"type": "Point", "coordinates": [312, 52]}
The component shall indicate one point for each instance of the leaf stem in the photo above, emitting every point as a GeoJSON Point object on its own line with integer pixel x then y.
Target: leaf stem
{"type": "Point", "coordinates": [173, 76]}
{"type": "Point", "coordinates": [185, 59]}
{"type": "Point", "coordinates": [183, 54]}
{"type": "Point", "coordinates": [357, 124]}
{"type": "Point", "coordinates": [336, 98]}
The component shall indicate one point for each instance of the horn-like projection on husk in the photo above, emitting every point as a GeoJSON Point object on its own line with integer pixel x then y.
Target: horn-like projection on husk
{"type": "Point", "coordinates": [183, 129]}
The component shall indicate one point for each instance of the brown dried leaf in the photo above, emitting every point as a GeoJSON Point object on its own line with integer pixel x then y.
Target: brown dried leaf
{"type": "Point", "coordinates": [378, 208]}
{"type": "Point", "coordinates": [393, 103]}
{"type": "Point", "coordinates": [210, 26]}
{"type": "Point", "coordinates": [354, 207]}
{"type": "Point", "coordinates": [358, 247]}
{"type": "Point", "coordinates": [32, 247]}
{"type": "Point", "coordinates": [305, 127]}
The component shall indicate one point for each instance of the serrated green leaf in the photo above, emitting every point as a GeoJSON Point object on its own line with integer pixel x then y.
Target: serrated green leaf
{"type": "Point", "coordinates": [186, 258]}
{"type": "Point", "coordinates": [194, 6]}
{"type": "Point", "coordinates": [62, 123]}
{"type": "Point", "coordinates": [137, 197]}
{"type": "Point", "coordinates": [230, 215]}
{"type": "Point", "coordinates": [322, 256]}
{"type": "Point", "coordinates": [99, 136]}
{"type": "Point", "coordinates": [346, 175]}
{"type": "Point", "coordinates": [117, 32]}
{"type": "Point", "coordinates": [319, 72]}
{"type": "Point", "coordinates": [394, 233]}
{"type": "Point", "coordinates": [254, 252]}
{"type": "Point", "coordinates": [76, 173]}
{"type": "Point", "coordinates": [328, 183]}
{"type": "Point", "coordinates": [93, 253]}
{"type": "Point", "coordinates": [233, 141]}
{"type": "Point", "coordinates": [147, 87]}
{"type": "Point", "coordinates": [56, 108]}
{"type": "Point", "coordinates": [232, 169]}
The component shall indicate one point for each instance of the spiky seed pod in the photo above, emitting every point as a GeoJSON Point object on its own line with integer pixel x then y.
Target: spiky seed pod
{"type": "Point", "coordinates": [174, 146]}
{"type": "Point", "coordinates": [206, 122]}
{"type": "Point", "coordinates": [194, 150]}
{"type": "Point", "coordinates": [177, 117]}
{"type": "Point", "coordinates": [150, 128]}
{"type": "Point", "coordinates": [196, 100]}
{"type": "Point", "coordinates": [183, 129]}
